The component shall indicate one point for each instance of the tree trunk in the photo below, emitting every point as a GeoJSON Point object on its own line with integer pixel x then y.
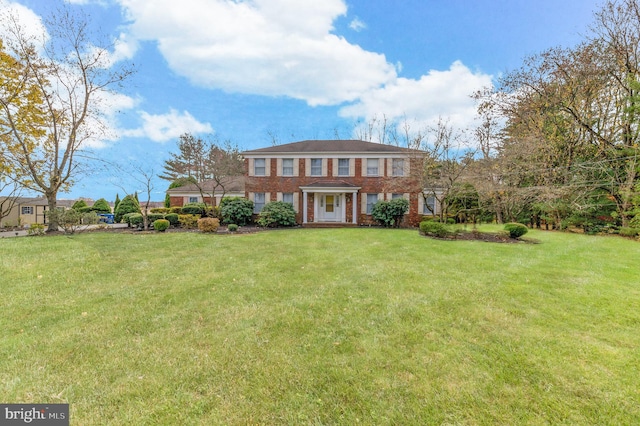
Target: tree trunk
{"type": "Point", "coordinates": [52, 218]}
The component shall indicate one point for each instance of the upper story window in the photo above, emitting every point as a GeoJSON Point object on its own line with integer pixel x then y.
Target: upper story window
{"type": "Point", "coordinates": [287, 167]}
{"type": "Point", "coordinates": [259, 168]}
{"type": "Point", "coordinates": [372, 166]}
{"type": "Point", "coordinates": [343, 167]}
{"type": "Point", "coordinates": [316, 167]}
{"type": "Point", "coordinates": [397, 167]}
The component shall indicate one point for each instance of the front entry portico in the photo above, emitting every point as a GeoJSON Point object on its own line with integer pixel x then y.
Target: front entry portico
{"type": "Point", "coordinates": [330, 200]}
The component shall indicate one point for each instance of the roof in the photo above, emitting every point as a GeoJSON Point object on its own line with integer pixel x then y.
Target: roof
{"type": "Point", "coordinates": [323, 146]}
{"type": "Point", "coordinates": [39, 201]}
{"type": "Point", "coordinates": [231, 184]}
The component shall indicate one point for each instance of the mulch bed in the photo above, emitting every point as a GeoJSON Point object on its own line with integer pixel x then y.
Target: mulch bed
{"type": "Point", "coordinates": [488, 237]}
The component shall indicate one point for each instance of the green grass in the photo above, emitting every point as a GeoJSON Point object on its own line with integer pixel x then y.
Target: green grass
{"type": "Point", "coordinates": [342, 326]}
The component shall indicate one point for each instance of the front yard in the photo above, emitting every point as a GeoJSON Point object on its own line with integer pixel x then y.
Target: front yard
{"type": "Point", "coordinates": [322, 326]}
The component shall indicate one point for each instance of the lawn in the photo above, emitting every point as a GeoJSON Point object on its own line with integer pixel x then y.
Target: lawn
{"type": "Point", "coordinates": [330, 326]}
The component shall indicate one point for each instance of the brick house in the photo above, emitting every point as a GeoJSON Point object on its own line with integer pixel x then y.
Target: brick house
{"type": "Point", "coordinates": [336, 181]}
{"type": "Point", "coordinates": [209, 192]}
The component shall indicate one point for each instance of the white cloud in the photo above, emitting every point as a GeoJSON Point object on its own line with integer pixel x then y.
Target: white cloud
{"type": "Point", "coordinates": [27, 19]}
{"type": "Point", "coordinates": [437, 94]}
{"type": "Point", "coordinates": [165, 127]}
{"type": "Point", "coordinates": [357, 25]}
{"type": "Point", "coordinates": [265, 47]}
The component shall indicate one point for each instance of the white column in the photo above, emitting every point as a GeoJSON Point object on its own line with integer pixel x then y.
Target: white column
{"type": "Point", "coordinates": [304, 207]}
{"type": "Point", "coordinates": [354, 204]}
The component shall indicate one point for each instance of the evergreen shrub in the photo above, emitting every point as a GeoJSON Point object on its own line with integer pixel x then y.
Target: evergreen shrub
{"type": "Point", "coordinates": [277, 213]}
{"type": "Point", "coordinates": [435, 229]}
{"type": "Point", "coordinates": [188, 221]}
{"type": "Point", "coordinates": [516, 230]}
{"type": "Point", "coordinates": [172, 218]}
{"type": "Point", "coordinates": [161, 225]}
{"type": "Point", "coordinates": [236, 210]}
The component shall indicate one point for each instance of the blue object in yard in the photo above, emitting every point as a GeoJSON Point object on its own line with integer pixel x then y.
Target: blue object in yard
{"type": "Point", "coordinates": [106, 218]}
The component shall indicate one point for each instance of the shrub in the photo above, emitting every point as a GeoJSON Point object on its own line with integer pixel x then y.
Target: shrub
{"type": "Point", "coordinates": [277, 213]}
{"type": "Point", "coordinates": [134, 219]}
{"type": "Point", "coordinates": [161, 225]}
{"type": "Point", "coordinates": [516, 230]}
{"type": "Point", "coordinates": [435, 229]}
{"type": "Point", "coordinates": [162, 210]}
{"type": "Point", "coordinates": [152, 217]}
{"type": "Point", "coordinates": [175, 209]}
{"type": "Point", "coordinates": [232, 227]}
{"type": "Point", "coordinates": [127, 205]}
{"type": "Point", "coordinates": [79, 205]}
{"type": "Point", "coordinates": [35, 229]}
{"type": "Point", "coordinates": [194, 208]}
{"type": "Point", "coordinates": [101, 206]}
{"type": "Point", "coordinates": [172, 218]}
{"type": "Point", "coordinates": [71, 220]}
{"type": "Point", "coordinates": [629, 232]}
{"type": "Point", "coordinates": [208, 224]}
{"type": "Point", "coordinates": [188, 221]}
{"type": "Point", "coordinates": [236, 210]}
{"type": "Point", "coordinates": [390, 213]}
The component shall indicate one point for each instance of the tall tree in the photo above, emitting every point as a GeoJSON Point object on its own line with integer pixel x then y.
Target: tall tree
{"type": "Point", "coordinates": [64, 72]}
{"type": "Point", "coordinates": [211, 163]}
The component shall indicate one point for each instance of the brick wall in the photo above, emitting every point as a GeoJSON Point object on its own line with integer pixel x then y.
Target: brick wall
{"type": "Point", "coordinates": [386, 185]}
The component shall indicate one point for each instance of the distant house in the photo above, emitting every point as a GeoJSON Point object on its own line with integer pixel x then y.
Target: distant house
{"type": "Point", "coordinates": [28, 210]}
{"type": "Point", "coordinates": [209, 192]}
{"type": "Point", "coordinates": [336, 181]}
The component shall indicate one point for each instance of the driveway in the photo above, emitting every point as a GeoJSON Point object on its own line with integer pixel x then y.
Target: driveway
{"type": "Point", "coordinates": [23, 232]}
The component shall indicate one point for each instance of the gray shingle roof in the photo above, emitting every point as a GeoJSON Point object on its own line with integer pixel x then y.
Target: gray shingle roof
{"type": "Point", "coordinates": [319, 146]}
{"type": "Point", "coordinates": [231, 184]}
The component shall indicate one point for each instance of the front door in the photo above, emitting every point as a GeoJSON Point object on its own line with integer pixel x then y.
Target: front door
{"type": "Point", "coordinates": [330, 208]}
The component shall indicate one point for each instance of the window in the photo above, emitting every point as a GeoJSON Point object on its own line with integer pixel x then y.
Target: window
{"type": "Point", "coordinates": [372, 199]}
{"type": "Point", "coordinates": [343, 167]}
{"type": "Point", "coordinates": [259, 168]}
{"type": "Point", "coordinates": [394, 196]}
{"type": "Point", "coordinates": [27, 209]}
{"type": "Point", "coordinates": [287, 197]}
{"type": "Point", "coordinates": [429, 205]}
{"type": "Point", "coordinates": [193, 199]}
{"type": "Point", "coordinates": [316, 167]}
{"type": "Point", "coordinates": [397, 167]}
{"type": "Point", "coordinates": [258, 202]}
{"type": "Point", "coordinates": [372, 167]}
{"type": "Point", "coordinates": [287, 167]}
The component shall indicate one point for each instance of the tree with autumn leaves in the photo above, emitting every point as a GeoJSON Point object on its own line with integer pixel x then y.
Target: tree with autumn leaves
{"type": "Point", "coordinates": [50, 101]}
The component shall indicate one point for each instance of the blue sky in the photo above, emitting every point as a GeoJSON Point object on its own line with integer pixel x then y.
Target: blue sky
{"type": "Point", "coordinates": [253, 70]}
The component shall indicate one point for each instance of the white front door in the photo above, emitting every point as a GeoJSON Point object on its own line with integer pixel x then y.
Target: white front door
{"type": "Point", "coordinates": [330, 208]}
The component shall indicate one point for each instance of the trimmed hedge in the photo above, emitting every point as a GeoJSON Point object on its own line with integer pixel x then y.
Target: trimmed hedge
{"type": "Point", "coordinates": [516, 230]}
{"type": "Point", "coordinates": [173, 219]}
{"type": "Point", "coordinates": [161, 225]}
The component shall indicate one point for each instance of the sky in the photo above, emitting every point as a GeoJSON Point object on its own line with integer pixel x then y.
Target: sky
{"type": "Point", "coordinates": [258, 71]}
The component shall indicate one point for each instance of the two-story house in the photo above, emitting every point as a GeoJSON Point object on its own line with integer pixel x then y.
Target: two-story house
{"type": "Point", "coordinates": [336, 181]}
